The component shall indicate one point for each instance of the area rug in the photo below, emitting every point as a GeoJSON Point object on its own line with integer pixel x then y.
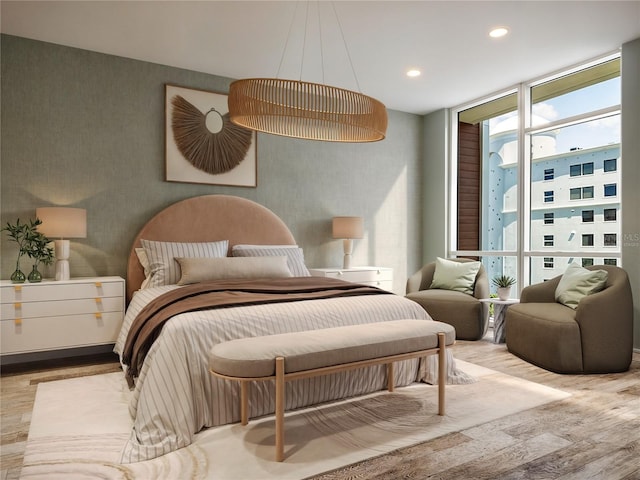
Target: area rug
{"type": "Point", "coordinates": [79, 425]}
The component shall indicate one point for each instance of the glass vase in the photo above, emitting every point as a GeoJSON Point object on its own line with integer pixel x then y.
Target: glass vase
{"type": "Point", "coordinates": [35, 276]}
{"type": "Point", "coordinates": [18, 276]}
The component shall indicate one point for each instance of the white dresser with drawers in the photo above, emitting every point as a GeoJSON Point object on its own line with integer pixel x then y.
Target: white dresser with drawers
{"type": "Point", "coordinates": [56, 315]}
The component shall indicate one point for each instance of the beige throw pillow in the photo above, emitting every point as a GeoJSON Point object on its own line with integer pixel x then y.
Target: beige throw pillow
{"type": "Point", "coordinates": [578, 282]}
{"type": "Point", "coordinates": [195, 270]}
{"type": "Point", "coordinates": [457, 276]}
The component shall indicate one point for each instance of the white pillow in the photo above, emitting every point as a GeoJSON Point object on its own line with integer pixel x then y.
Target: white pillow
{"type": "Point", "coordinates": [195, 270]}
{"type": "Point", "coordinates": [165, 270]}
{"type": "Point", "coordinates": [578, 282]}
{"type": "Point", "coordinates": [294, 254]}
{"type": "Point", "coordinates": [457, 276]}
{"type": "Point", "coordinates": [144, 261]}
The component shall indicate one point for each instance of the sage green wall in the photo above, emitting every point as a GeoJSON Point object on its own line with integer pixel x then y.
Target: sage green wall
{"type": "Point", "coordinates": [85, 129]}
{"type": "Point", "coordinates": [631, 173]}
{"type": "Point", "coordinates": [436, 191]}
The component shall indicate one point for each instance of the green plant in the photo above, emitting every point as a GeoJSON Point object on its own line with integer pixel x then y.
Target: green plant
{"type": "Point", "coordinates": [30, 241]}
{"type": "Point", "coordinates": [38, 246]}
{"type": "Point", "coordinates": [503, 281]}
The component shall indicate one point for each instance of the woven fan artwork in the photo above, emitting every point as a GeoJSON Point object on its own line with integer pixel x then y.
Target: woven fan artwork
{"type": "Point", "coordinates": [212, 152]}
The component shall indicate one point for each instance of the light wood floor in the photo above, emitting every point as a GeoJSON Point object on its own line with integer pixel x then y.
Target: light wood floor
{"type": "Point", "coordinates": [595, 433]}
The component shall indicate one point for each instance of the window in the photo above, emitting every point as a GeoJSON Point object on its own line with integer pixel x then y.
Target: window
{"type": "Point", "coordinates": [610, 190]}
{"type": "Point", "coordinates": [575, 170]}
{"type": "Point", "coordinates": [579, 193]}
{"type": "Point", "coordinates": [610, 239]}
{"type": "Point", "coordinates": [512, 142]}
{"type": "Point", "coordinates": [548, 262]}
{"type": "Point", "coordinates": [581, 169]}
{"type": "Point", "coordinates": [587, 192]}
{"type": "Point", "coordinates": [587, 216]}
{"type": "Point", "coordinates": [610, 261]}
{"type": "Point", "coordinates": [587, 262]}
{"type": "Point", "coordinates": [610, 165]}
{"type": "Point", "coordinates": [610, 214]}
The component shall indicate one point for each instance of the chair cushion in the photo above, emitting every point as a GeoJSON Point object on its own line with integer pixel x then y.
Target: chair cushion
{"type": "Point", "coordinates": [456, 276]}
{"type": "Point", "coordinates": [462, 311]}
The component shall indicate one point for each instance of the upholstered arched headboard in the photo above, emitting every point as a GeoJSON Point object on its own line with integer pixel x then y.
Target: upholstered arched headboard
{"type": "Point", "coordinates": [209, 218]}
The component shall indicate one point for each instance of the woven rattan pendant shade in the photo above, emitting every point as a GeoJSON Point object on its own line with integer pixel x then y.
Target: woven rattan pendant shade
{"type": "Point", "coordinates": [306, 110]}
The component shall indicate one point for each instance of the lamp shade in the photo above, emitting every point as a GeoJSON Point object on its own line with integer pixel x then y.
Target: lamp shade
{"type": "Point", "coordinates": [348, 227]}
{"type": "Point", "coordinates": [63, 222]}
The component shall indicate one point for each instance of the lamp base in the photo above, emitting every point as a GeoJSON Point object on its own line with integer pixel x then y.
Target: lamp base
{"type": "Point", "coordinates": [347, 245]}
{"type": "Point", "coordinates": [62, 259]}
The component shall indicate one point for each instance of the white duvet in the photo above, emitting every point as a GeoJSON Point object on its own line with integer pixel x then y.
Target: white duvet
{"type": "Point", "coordinates": [175, 396]}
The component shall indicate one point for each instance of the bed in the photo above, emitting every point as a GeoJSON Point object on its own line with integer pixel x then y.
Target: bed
{"type": "Point", "coordinates": [174, 395]}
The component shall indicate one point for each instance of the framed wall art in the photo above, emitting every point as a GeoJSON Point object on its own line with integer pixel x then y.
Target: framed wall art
{"type": "Point", "coordinates": [202, 145]}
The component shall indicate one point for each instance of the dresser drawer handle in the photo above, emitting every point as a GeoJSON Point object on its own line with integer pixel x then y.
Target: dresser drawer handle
{"type": "Point", "coordinates": [98, 284]}
{"type": "Point", "coordinates": [17, 305]}
{"type": "Point", "coordinates": [98, 315]}
{"type": "Point", "coordinates": [18, 288]}
{"type": "Point", "coordinates": [98, 299]}
{"type": "Point", "coordinates": [17, 322]}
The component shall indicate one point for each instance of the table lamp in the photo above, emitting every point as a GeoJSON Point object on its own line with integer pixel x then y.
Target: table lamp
{"type": "Point", "coordinates": [62, 223]}
{"type": "Point", "coordinates": [347, 228]}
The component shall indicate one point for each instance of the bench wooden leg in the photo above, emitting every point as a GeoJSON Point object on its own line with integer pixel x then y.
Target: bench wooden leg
{"type": "Point", "coordinates": [280, 402]}
{"type": "Point", "coordinates": [442, 371]}
{"type": "Point", "coordinates": [390, 380]}
{"type": "Point", "coordinates": [244, 402]}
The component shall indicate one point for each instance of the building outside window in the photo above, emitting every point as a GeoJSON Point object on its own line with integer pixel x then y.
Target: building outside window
{"type": "Point", "coordinates": [611, 261]}
{"type": "Point", "coordinates": [610, 214]}
{"type": "Point", "coordinates": [548, 174]}
{"type": "Point", "coordinates": [564, 128]}
{"type": "Point", "coordinates": [610, 239]}
{"type": "Point", "coordinates": [587, 262]}
{"type": "Point", "coordinates": [610, 190]}
{"type": "Point", "coordinates": [587, 239]}
{"type": "Point", "coordinates": [581, 169]}
{"type": "Point", "coordinates": [548, 262]}
{"type": "Point", "coordinates": [611, 165]}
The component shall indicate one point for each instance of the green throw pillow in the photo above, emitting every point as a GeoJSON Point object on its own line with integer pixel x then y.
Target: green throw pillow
{"type": "Point", "coordinates": [457, 276]}
{"type": "Point", "coordinates": [577, 282]}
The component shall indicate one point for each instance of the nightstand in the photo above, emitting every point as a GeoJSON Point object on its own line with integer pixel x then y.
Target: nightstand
{"type": "Point", "coordinates": [55, 315]}
{"type": "Point", "coordinates": [381, 277]}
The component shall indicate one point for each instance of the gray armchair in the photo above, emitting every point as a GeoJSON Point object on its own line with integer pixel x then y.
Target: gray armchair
{"type": "Point", "coordinates": [597, 337]}
{"type": "Point", "coordinates": [465, 312]}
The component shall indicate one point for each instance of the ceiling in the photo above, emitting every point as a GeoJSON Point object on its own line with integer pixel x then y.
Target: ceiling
{"type": "Point", "coordinates": [447, 40]}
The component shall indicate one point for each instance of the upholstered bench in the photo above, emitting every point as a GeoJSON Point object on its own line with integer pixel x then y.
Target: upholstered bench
{"type": "Point", "coordinates": [297, 355]}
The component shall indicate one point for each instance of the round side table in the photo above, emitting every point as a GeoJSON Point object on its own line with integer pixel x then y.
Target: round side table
{"type": "Point", "coordinates": [499, 312]}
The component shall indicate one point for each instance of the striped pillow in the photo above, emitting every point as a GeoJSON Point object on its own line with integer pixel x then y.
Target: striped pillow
{"type": "Point", "coordinates": [163, 267]}
{"type": "Point", "coordinates": [294, 254]}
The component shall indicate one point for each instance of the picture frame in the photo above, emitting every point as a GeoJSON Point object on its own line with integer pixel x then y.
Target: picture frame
{"type": "Point", "coordinates": [202, 145]}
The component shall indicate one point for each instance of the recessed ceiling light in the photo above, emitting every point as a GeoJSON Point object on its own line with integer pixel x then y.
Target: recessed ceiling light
{"type": "Point", "coordinates": [414, 72]}
{"type": "Point", "coordinates": [498, 32]}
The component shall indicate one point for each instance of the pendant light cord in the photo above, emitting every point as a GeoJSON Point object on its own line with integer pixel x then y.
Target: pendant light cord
{"type": "Point", "coordinates": [304, 43]}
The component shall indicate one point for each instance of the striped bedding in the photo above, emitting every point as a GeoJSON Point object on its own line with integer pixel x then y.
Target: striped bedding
{"type": "Point", "coordinates": [175, 396]}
